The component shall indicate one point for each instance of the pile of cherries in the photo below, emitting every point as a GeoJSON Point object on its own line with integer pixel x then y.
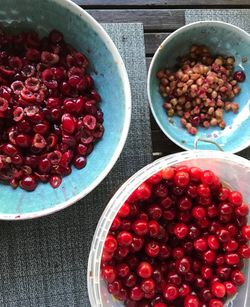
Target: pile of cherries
{"type": "Point", "coordinates": [178, 240]}
{"type": "Point", "coordinates": [49, 113]}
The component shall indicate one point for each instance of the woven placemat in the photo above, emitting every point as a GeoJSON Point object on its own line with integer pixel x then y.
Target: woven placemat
{"type": "Point", "coordinates": [43, 263]}
{"type": "Point", "coordinates": [237, 17]}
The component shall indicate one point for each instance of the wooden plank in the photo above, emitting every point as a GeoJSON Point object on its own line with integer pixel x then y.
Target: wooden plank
{"type": "Point", "coordinates": [158, 19]}
{"type": "Point", "coordinates": [162, 3]}
{"type": "Point", "coordinates": [153, 41]}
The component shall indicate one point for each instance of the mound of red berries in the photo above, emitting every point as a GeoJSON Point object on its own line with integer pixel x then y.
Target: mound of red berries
{"type": "Point", "coordinates": [178, 240]}
{"type": "Point", "coordinates": [49, 113]}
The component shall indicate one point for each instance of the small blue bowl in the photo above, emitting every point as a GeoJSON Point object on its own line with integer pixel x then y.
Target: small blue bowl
{"type": "Point", "coordinates": [221, 38]}
{"type": "Point", "coordinates": [111, 80]}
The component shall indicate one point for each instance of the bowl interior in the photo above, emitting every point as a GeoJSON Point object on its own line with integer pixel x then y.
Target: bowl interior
{"type": "Point", "coordinates": [110, 79]}
{"type": "Point", "coordinates": [221, 38]}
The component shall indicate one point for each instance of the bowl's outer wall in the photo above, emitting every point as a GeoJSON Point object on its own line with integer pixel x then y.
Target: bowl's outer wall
{"type": "Point", "coordinates": [222, 39]}
{"type": "Point", "coordinates": [43, 16]}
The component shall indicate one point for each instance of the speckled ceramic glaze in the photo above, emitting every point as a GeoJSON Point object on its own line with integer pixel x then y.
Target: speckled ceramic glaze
{"type": "Point", "coordinates": [110, 76]}
{"type": "Point", "coordinates": [221, 38]}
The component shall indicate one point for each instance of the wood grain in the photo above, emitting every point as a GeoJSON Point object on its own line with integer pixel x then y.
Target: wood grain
{"type": "Point", "coordinates": [162, 3]}
{"type": "Point", "coordinates": [153, 41]}
{"type": "Point", "coordinates": [163, 20]}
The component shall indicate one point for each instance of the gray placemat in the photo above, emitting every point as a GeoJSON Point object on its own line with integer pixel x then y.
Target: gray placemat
{"type": "Point", "coordinates": [43, 263]}
{"type": "Point", "coordinates": [237, 17]}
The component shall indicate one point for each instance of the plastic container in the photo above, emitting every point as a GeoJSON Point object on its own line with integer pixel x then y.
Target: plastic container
{"type": "Point", "coordinates": [232, 170]}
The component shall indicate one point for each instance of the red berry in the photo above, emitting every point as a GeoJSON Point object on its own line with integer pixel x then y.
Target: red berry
{"type": "Point", "coordinates": [244, 251]}
{"type": "Point", "coordinates": [123, 270]}
{"type": "Point", "coordinates": [198, 212]}
{"type": "Point", "coordinates": [242, 210]}
{"type": "Point", "coordinates": [154, 179]}
{"type": "Point", "coordinates": [152, 249]}
{"type": "Point", "coordinates": [184, 290]}
{"type": "Point", "coordinates": [239, 76]}
{"type": "Point", "coordinates": [170, 292]}
{"type": "Point", "coordinates": [232, 258]}
{"type": "Point", "coordinates": [148, 285]}
{"type": "Point", "coordinates": [238, 277]}
{"type": "Point", "coordinates": [230, 246]}
{"type": "Point", "coordinates": [195, 174]}
{"type": "Point", "coordinates": [209, 256]}
{"type": "Point", "coordinates": [246, 232]}
{"type": "Point", "coordinates": [191, 301]}
{"type": "Point", "coordinates": [235, 198]}
{"type": "Point", "coordinates": [216, 303]}
{"type": "Point", "coordinates": [207, 177]}
{"type": "Point", "coordinates": [109, 273]}
{"type": "Point", "coordinates": [213, 242]}
{"type": "Point", "coordinates": [124, 210]}
{"type": "Point", "coordinates": [143, 192]}
{"type": "Point", "coordinates": [140, 227]}
{"type": "Point", "coordinates": [144, 270]}
{"type": "Point", "coordinates": [110, 244]}
{"type": "Point", "coordinates": [200, 244]}
{"type": "Point", "coordinates": [203, 191]}
{"type": "Point", "coordinates": [207, 272]}
{"type": "Point", "coordinates": [136, 294]}
{"type": "Point", "coordinates": [124, 238]}
{"type": "Point", "coordinates": [181, 179]}
{"type": "Point", "coordinates": [181, 230]}
{"type": "Point", "coordinates": [218, 289]}
{"type": "Point", "coordinates": [231, 288]}
{"type": "Point", "coordinates": [183, 265]}
{"type": "Point", "coordinates": [168, 173]}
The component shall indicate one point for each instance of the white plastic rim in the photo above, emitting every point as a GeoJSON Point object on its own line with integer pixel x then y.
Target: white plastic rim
{"type": "Point", "coordinates": [93, 271]}
{"type": "Point", "coordinates": [168, 39]}
{"type": "Point", "coordinates": [77, 10]}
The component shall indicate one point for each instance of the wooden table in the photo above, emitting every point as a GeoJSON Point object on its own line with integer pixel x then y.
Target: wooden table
{"type": "Point", "coordinates": [159, 17]}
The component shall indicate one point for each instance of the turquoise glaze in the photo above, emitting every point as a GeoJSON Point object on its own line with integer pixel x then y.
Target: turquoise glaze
{"type": "Point", "coordinates": [221, 38]}
{"type": "Point", "coordinates": [111, 80]}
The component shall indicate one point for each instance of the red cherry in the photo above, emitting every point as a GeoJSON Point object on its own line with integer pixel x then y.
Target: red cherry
{"type": "Point", "coordinates": [109, 273]}
{"type": "Point", "coordinates": [170, 292]}
{"type": "Point", "coordinates": [239, 76]}
{"type": "Point", "coordinates": [124, 210]}
{"type": "Point", "coordinates": [195, 174]}
{"type": "Point", "coordinates": [218, 289]}
{"type": "Point", "coordinates": [168, 173]}
{"type": "Point", "coordinates": [143, 192]}
{"type": "Point", "coordinates": [231, 288]}
{"type": "Point", "coordinates": [246, 232]}
{"type": "Point", "coordinates": [213, 242]}
{"type": "Point", "coordinates": [191, 301]}
{"type": "Point", "coordinates": [216, 303]}
{"type": "Point", "coordinates": [144, 270]}
{"type": "Point", "coordinates": [235, 198]}
{"type": "Point", "coordinates": [181, 230]}
{"type": "Point", "coordinates": [238, 277]}
{"type": "Point", "coordinates": [140, 227]}
{"type": "Point", "coordinates": [181, 179]}
{"type": "Point", "coordinates": [124, 238]}
{"type": "Point", "coordinates": [200, 244]}
{"type": "Point", "coordinates": [207, 177]}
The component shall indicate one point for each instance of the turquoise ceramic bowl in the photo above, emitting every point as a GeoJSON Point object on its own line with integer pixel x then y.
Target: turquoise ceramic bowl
{"type": "Point", "coordinates": [111, 79]}
{"type": "Point", "coordinates": [221, 38]}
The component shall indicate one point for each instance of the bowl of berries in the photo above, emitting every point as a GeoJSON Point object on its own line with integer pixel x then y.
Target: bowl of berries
{"type": "Point", "coordinates": [64, 106]}
{"type": "Point", "coordinates": [175, 234]}
{"type": "Point", "coordinates": [198, 88]}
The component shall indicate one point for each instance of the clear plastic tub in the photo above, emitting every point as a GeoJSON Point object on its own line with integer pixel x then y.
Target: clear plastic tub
{"type": "Point", "coordinates": [232, 170]}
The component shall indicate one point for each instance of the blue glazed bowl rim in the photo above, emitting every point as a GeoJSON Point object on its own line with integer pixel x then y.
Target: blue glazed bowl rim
{"type": "Point", "coordinates": [77, 10]}
{"type": "Point", "coordinates": [162, 45]}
